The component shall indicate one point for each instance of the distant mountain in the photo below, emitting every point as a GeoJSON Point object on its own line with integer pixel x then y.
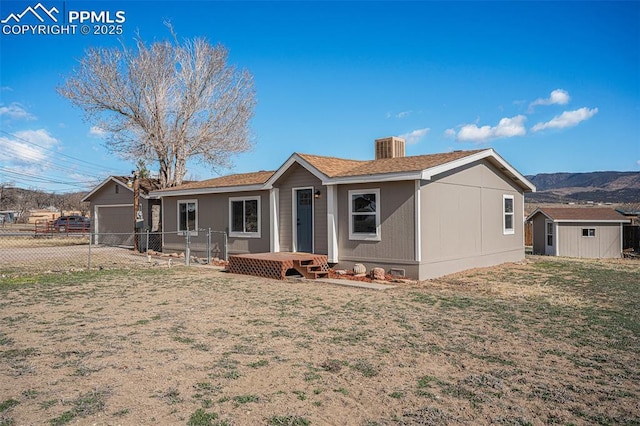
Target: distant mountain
{"type": "Point", "coordinates": [598, 187]}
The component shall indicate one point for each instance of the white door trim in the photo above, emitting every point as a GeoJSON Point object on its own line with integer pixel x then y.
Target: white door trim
{"type": "Point", "coordinates": [274, 224]}
{"type": "Point", "coordinates": [550, 250]}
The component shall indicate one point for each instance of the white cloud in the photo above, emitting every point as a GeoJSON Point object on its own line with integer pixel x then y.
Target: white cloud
{"type": "Point", "coordinates": [510, 127]}
{"type": "Point", "coordinates": [473, 133]}
{"type": "Point", "coordinates": [97, 132]}
{"type": "Point", "coordinates": [27, 147]}
{"type": "Point", "coordinates": [506, 128]}
{"type": "Point", "coordinates": [566, 119]}
{"type": "Point", "coordinates": [401, 114]}
{"type": "Point", "coordinates": [16, 112]}
{"type": "Point", "coordinates": [557, 97]}
{"type": "Point", "coordinates": [415, 136]}
{"type": "Point", "coordinates": [450, 133]}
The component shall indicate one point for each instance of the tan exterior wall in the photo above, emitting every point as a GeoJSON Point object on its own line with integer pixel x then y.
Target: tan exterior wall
{"type": "Point", "coordinates": [462, 221]}
{"type": "Point", "coordinates": [397, 223]}
{"type": "Point", "coordinates": [606, 243]}
{"type": "Point", "coordinates": [213, 212]}
{"type": "Point", "coordinates": [298, 177]}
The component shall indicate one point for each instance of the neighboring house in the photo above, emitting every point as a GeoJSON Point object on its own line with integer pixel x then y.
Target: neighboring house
{"type": "Point", "coordinates": [41, 215]}
{"type": "Point", "coordinates": [589, 232]}
{"type": "Point", "coordinates": [112, 206]}
{"type": "Point", "coordinates": [424, 216]}
{"type": "Point", "coordinates": [7, 216]}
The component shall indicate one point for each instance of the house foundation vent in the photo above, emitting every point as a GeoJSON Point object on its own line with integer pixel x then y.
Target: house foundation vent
{"type": "Point", "coordinates": [390, 147]}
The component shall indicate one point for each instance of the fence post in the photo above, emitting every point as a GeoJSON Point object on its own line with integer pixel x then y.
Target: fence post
{"type": "Point", "coordinates": [209, 246]}
{"type": "Point", "coordinates": [89, 257]}
{"type": "Point", "coordinates": [147, 246]}
{"type": "Point", "coordinates": [226, 251]}
{"type": "Point", "coordinates": [187, 249]}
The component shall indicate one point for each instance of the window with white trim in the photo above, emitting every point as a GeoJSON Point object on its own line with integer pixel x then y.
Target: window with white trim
{"type": "Point", "coordinates": [588, 232]}
{"type": "Point", "coordinates": [508, 225]}
{"type": "Point", "coordinates": [188, 216]}
{"type": "Point", "coordinates": [244, 217]}
{"type": "Point", "coordinates": [364, 214]}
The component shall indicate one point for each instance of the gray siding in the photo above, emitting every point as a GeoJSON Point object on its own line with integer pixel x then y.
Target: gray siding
{"type": "Point", "coordinates": [605, 244]}
{"type": "Point", "coordinates": [107, 195]}
{"type": "Point", "coordinates": [397, 226]}
{"type": "Point", "coordinates": [114, 219]}
{"type": "Point", "coordinates": [462, 220]}
{"type": "Point", "coordinates": [213, 212]}
{"type": "Point", "coordinates": [298, 177]}
{"type": "Point", "coordinates": [539, 234]}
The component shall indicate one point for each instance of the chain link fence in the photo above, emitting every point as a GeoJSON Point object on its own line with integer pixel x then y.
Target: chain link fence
{"type": "Point", "coordinates": [27, 251]}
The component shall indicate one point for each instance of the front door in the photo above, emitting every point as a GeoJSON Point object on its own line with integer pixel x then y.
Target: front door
{"type": "Point", "coordinates": [550, 240]}
{"type": "Point", "coordinates": [304, 220]}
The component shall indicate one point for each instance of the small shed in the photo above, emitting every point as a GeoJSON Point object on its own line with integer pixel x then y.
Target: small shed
{"type": "Point", "coordinates": [586, 232]}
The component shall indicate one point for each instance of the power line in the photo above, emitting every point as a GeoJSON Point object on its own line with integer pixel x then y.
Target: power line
{"type": "Point", "coordinates": [85, 169]}
{"type": "Point", "coordinates": [29, 177]}
{"type": "Point", "coordinates": [46, 165]}
{"type": "Point", "coordinates": [93, 165]}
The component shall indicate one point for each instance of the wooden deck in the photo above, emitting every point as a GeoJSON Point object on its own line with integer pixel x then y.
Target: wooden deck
{"type": "Point", "coordinates": [277, 265]}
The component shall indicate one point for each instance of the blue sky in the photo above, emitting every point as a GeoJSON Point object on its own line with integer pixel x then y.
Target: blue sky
{"type": "Point", "coordinates": [552, 86]}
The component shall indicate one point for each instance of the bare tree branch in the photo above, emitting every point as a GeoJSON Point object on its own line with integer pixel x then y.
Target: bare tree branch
{"type": "Point", "coordinates": [166, 102]}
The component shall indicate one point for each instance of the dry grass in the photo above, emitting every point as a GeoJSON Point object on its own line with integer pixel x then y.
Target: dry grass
{"type": "Point", "coordinates": [532, 343]}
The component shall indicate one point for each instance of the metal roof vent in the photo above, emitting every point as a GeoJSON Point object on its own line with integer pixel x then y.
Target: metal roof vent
{"type": "Point", "coordinates": [390, 147]}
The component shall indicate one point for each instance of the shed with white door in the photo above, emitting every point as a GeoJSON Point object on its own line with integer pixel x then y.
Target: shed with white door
{"type": "Point", "coordinates": [586, 232]}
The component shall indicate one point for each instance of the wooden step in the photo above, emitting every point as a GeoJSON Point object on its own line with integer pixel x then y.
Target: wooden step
{"type": "Point", "coordinates": [311, 270]}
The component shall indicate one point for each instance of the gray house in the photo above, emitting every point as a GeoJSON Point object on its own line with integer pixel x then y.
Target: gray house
{"type": "Point", "coordinates": [426, 215]}
{"type": "Point", "coordinates": [112, 206]}
{"type": "Point", "coordinates": [589, 232]}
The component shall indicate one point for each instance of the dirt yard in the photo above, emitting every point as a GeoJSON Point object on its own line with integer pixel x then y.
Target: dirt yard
{"type": "Point", "coordinates": [543, 342]}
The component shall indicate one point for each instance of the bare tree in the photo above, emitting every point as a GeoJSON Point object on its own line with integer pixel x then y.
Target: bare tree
{"type": "Point", "coordinates": [6, 195]}
{"type": "Point", "coordinates": [167, 102]}
{"type": "Point", "coordinates": [72, 202]}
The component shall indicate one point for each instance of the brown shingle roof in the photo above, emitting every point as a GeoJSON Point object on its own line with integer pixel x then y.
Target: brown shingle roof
{"type": "Point", "coordinates": [146, 185]}
{"type": "Point", "coordinates": [334, 167]}
{"type": "Point", "coordinates": [337, 167]}
{"type": "Point", "coordinates": [582, 213]}
{"type": "Point", "coordinates": [331, 166]}
{"type": "Point", "coordinates": [240, 179]}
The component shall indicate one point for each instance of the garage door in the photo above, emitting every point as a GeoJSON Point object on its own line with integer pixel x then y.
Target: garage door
{"type": "Point", "coordinates": [115, 225]}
